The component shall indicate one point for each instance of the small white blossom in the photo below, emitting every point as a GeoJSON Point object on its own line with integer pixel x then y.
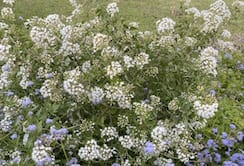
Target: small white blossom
{"type": "Point", "coordinates": [112, 9]}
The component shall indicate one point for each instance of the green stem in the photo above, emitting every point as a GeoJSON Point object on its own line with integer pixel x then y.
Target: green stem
{"type": "Point", "coordinates": [65, 154]}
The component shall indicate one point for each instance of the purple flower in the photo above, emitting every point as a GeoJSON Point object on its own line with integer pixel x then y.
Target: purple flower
{"type": "Point", "coordinates": [58, 134]}
{"type": "Point", "coordinates": [212, 92]}
{"type": "Point", "coordinates": [232, 126]}
{"type": "Point", "coordinates": [29, 83]}
{"type": "Point", "coordinates": [224, 135]}
{"type": "Point", "coordinates": [237, 157]}
{"type": "Point", "coordinates": [228, 56]}
{"type": "Point", "coordinates": [115, 164]}
{"type": "Point", "coordinates": [26, 101]}
{"type": "Point", "coordinates": [215, 130]}
{"type": "Point", "coordinates": [44, 161]}
{"type": "Point", "coordinates": [240, 136]}
{"type": "Point", "coordinates": [149, 148]}
{"type": "Point", "coordinates": [49, 75]}
{"type": "Point", "coordinates": [31, 128]}
{"type": "Point", "coordinates": [217, 157]}
{"type": "Point", "coordinates": [37, 91]}
{"type": "Point", "coordinates": [20, 117]}
{"type": "Point", "coordinates": [199, 136]}
{"type": "Point", "coordinates": [30, 113]}
{"type": "Point", "coordinates": [228, 142]}
{"type": "Point", "coordinates": [5, 68]}
{"type": "Point", "coordinates": [191, 147]}
{"type": "Point", "coordinates": [241, 67]}
{"type": "Point", "coordinates": [9, 93]}
{"type": "Point", "coordinates": [48, 121]}
{"type": "Point", "coordinates": [13, 136]}
{"type": "Point", "coordinates": [218, 84]}
{"type": "Point", "coordinates": [16, 160]}
{"type": "Point", "coordinates": [242, 106]}
{"type": "Point", "coordinates": [229, 163]}
{"type": "Point", "coordinates": [72, 161]}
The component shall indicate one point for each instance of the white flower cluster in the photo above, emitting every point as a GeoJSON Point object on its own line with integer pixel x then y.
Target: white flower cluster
{"type": "Point", "coordinates": [9, 2]}
{"type": "Point", "coordinates": [172, 140]}
{"type": "Point", "coordinates": [126, 141]}
{"type": "Point", "coordinates": [158, 133]}
{"type": "Point", "coordinates": [110, 52]}
{"type": "Point", "coordinates": [114, 69]}
{"type": "Point", "coordinates": [3, 25]}
{"type": "Point", "coordinates": [221, 9]}
{"type": "Point", "coordinates": [119, 93]}
{"type": "Point", "coordinates": [41, 154]}
{"type": "Point", "coordinates": [4, 52]}
{"type": "Point", "coordinates": [190, 41]}
{"type": "Point", "coordinates": [166, 41]}
{"type": "Point", "coordinates": [226, 34]}
{"type": "Point", "coordinates": [86, 66]}
{"type": "Point", "coordinates": [96, 95]}
{"type": "Point", "coordinates": [4, 76]}
{"type": "Point", "coordinates": [93, 151]}
{"type": "Point", "coordinates": [69, 48]}
{"type": "Point", "coordinates": [7, 13]}
{"type": "Point", "coordinates": [72, 83]}
{"type": "Point", "coordinates": [226, 45]}
{"type": "Point", "coordinates": [100, 41]}
{"type": "Point", "coordinates": [165, 25]}
{"type": "Point", "coordinates": [139, 61]}
{"type": "Point", "coordinates": [193, 11]}
{"type": "Point", "coordinates": [174, 104]}
{"type": "Point", "coordinates": [49, 89]}
{"type": "Point", "coordinates": [110, 133]}
{"type": "Point", "coordinates": [42, 37]}
{"type": "Point", "coordinates": [142, 110]}
{"type": "Point", "coordinates": [6, 123]}
{"type": "Point", "coordinates": [24, 72]}
{"type": "Point", "coordinates": [208, 61]}
{"type": "Point", "coordinates": [112, 9]}
{"type": "Point", "coordinates": [205, 111]}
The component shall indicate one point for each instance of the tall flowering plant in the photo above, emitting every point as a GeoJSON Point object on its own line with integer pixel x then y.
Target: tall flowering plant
{"type": "Point", "coordinates": [103, 92]}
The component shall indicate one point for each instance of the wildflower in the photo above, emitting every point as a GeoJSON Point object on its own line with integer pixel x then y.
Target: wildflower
{"type": "Point", "coordinates": [228, 142]}
{"type": "Point", "coordinates": [149, 148]}
{"type": "Point", "coordinates": [215, 130]}
{"type": "Point", "coordinates": [212, 92]}
{"type": "Point", "coordinates": [48, 121]}
{"type": "Point", "coordinates": [49, 75]}
{"type": "Point", "coordinates": [242, 106]}
{"type": "Point", "coordinates": [58, 134]}
{"type": "Point", "coordinates": [166, 24]}
{"type": "Point", "coordinates": [13, 136]}
{"type": "Point", "coordinates": [232, 126]}
{"type": "Point", "coordinates": [112, 9]}
{"type": "Point", "coordinates": [240, 136]}
{"type": "Point", "coordinates": [30, 113]}
{"type": "Point", "coordinates": [26, 101]}
{"type": "Point", "coordinates": [9, 93]}
{"type": "Point", "coordinates": [31, 128]}
{"type": "Point", "coordinates": [224, 135]}
{"type": "Point", "coordinates": [115, 164]}
{"type": "Point", "coordinates": [217, 157]}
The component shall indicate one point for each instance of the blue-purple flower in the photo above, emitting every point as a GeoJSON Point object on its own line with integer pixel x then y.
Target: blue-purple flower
{"type": "Point", "coordinates": [31, 128]}
{"type": "Point", "coordinates": [26, 101]}
{"type": "Point", "coordinates": [149, 148]}
{"type": "Point", "coordinates": [240, 136]}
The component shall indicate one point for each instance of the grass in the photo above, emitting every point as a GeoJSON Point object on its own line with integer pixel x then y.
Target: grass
{"type": "Point", "coordinates": [146, 12]}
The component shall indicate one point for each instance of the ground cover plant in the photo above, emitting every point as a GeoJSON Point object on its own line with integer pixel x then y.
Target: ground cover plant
{"type": "Point", "coordinates": [104, 92]}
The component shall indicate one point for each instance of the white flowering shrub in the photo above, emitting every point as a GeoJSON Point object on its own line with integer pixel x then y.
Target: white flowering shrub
{"type": "Point", "coordinates": [102, 92]}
